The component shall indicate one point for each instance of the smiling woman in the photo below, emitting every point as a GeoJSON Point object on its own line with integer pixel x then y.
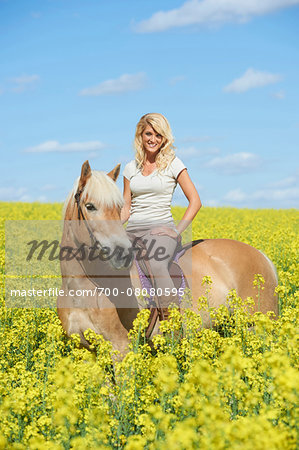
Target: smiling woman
{"type": "Point", "coordinates": [149, 184]}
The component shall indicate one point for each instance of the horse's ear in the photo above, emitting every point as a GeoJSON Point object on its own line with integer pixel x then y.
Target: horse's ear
{"type": "Point", "coordinates": [85, 174]}
{"type": "Point", "coordinates": [114, 172]}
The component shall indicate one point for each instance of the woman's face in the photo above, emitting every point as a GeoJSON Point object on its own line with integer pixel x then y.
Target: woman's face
{"type": "Point", "coordinates": [151, 140]}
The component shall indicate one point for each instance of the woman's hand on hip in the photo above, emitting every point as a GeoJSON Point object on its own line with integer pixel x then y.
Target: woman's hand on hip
{"type": "Point", "coordinates": [166, 231]}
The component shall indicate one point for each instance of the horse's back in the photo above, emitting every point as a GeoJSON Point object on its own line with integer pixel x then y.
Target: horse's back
{"type": "Point", "coordinates": [231, 265]}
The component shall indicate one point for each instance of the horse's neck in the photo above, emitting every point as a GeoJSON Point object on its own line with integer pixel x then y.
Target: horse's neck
{"type": "Point", "coordinates": [116, 284]}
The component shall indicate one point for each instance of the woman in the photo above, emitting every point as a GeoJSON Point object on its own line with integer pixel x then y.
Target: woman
{"type": "Point", "coordinates": [149, 183]}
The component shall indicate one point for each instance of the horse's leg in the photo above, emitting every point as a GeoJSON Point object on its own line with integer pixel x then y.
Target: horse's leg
{"type": "Point", "coordinates": [74, 321]}
{"type": "Point", "coordinates": [104, 320]}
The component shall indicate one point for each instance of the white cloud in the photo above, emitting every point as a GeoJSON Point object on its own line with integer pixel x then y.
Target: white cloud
{"type": "Point", "coordinates": [279, 95]}
{"type": "Point", "coordinates": [285, 182]}
{"type": "Point", "coordinates": [25, 79]}
{"type": "Point", "coordinates": [54, 146]}
{"type": "Point", "coordinates": [252, 79]}
{"type": "Point", "coordinates": [277, 194]}
{"type": "Point", "coordinates": [13, 194]}
{"type": "Point", "coordinates": [174, 80]}
{"type": "Point", "coordinates": [235, 163]}
{"type": "Point", "coordinates": [283, 193]}
{"type": "Point", "coordinates": [36, 14]}
{"type": "Point", "coordinates": [236, 196]}
{"type": "Point", "coordinates": [24, 82]}
{"type": "Point", "coordinates": [279, 197]}
{"type": "Point", "coordinates": [210, 12]}
{"type": "Point", "coordinates": [124, 83]}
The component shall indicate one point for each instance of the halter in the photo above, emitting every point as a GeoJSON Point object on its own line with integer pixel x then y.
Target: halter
{"type": "Point", "coordinates": [81, 215]}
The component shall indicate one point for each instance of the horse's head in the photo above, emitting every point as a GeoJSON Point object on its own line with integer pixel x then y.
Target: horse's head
{"type": "Point", "coordinates": [93, 209]}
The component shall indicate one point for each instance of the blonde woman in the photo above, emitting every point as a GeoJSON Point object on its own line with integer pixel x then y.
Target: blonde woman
{"type": "Point", "coordinates": [149, 183]}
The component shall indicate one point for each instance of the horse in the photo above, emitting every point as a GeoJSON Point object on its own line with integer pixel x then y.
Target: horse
{"type": "Point", "coordinates": [99, 291]}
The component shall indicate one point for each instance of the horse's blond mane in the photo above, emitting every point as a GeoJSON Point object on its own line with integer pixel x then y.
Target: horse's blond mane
{"type": "Point", "coordinates": [100, 188]}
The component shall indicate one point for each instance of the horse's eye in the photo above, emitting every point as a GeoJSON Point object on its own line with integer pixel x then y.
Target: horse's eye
{"type": "Point", "coordinates": [90, 207]}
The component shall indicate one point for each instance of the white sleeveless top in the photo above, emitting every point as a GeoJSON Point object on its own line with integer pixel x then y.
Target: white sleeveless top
{"type": "Point", "coordinates": [152, 194]}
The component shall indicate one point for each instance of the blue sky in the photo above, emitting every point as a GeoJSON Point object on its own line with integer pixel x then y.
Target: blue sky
{"type": "Point", "coordinates": [76, 76]}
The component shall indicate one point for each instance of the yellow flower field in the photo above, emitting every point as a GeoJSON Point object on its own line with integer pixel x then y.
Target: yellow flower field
{"type": "Point", "coordinates": [232, 387]}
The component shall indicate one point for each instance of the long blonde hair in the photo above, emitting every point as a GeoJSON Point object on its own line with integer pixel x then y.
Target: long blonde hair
{"type": "Point", "coordinates": [160, 125]}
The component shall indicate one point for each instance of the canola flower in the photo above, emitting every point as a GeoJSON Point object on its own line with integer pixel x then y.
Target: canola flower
{"type": "Point", "coordinates": [232, 386]}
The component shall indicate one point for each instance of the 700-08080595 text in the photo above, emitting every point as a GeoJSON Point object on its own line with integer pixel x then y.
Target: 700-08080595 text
{"type": "Point", "coordinates": [54, 292]}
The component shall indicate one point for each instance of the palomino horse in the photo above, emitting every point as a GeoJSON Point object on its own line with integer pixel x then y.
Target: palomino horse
{"type": "Point", "coordinates": [98, 292]}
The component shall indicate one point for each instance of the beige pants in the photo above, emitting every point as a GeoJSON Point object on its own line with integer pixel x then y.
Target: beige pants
{"type": "Point", "coordinates": [161, 249]}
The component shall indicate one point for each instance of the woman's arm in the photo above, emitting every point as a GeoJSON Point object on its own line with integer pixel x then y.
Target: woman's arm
{"type": "Point", "coordinates": [194, 206]}
{"type": "Point", "coordinates": [125, 212]}
{"type": "Point", "coordinates": [192, 196]}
